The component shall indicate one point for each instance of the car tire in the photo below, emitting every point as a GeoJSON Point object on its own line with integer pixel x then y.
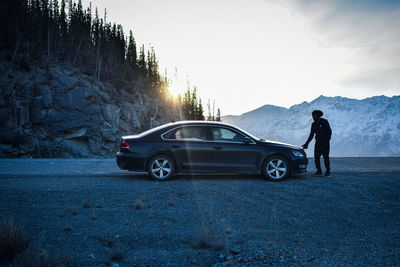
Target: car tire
{"type": "Point", "coordinates": [161, 168]}
{"type": "Point", "coordinates": [276, 168]}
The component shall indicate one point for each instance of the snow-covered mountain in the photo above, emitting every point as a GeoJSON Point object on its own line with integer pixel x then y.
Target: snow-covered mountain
{"type": "Point", "coordinates": [368, 127]}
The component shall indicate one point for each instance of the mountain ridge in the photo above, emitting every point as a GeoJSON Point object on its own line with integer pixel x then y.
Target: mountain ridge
{"type": "Point", "coordinates": [366, 127]}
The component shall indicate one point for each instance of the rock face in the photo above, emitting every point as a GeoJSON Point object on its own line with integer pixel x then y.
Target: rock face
{"type": "Point", "coordinates": [61, 112]}
{"type": "Point", "coordinates": [368, 127]}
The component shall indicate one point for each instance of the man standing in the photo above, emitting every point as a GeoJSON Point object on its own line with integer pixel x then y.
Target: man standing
{"type": "Point", "coordinates": [320, 127]}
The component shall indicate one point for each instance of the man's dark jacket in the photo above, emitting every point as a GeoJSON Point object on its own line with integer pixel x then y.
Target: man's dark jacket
{"type": "Point", "coordinates": [322, 132]}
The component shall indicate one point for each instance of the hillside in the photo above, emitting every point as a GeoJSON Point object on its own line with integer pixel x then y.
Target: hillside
{"type": "Point", "coordinates": [368, 127]}
{"type": "Point", "coordinates": [62, 112]}
{"type": "Point", "coordinates": [71, 83]}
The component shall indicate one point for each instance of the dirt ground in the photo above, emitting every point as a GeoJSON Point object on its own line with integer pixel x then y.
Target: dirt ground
{"type": "Point", "coordinates": [97, 215]}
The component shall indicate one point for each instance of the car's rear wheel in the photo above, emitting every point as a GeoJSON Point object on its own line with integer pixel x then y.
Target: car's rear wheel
{"type": "Point", "coordinates": [161, 168]}
{"type": "Point", "coordinates": [276, 168]}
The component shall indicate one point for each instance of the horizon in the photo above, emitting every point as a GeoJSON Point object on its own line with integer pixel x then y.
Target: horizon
{"type": "Point", "coordinates": [281, 52]}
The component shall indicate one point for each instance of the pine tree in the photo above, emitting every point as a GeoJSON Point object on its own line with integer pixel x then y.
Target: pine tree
{"type": "Point", "coordinates": [131, 55]}
{"type": "Point", "coordinates": [200, 111]}
{"type": "Point", "coordinates": [218, 118]}
{"type": "Point", "coordinates": [142, 61]}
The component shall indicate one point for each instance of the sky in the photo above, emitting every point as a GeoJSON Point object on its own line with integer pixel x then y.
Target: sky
{"type": "Point", "coordinates": [248, 53]}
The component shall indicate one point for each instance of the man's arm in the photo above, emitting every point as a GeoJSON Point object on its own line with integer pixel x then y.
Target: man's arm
{"type": "Point", "coordinates": [329, 130]}
{"type": "Point", "coordinates": [310, 137]}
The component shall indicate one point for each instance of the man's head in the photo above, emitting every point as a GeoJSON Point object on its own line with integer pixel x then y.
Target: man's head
{"type": "Point", "coordinates": [317, 114]}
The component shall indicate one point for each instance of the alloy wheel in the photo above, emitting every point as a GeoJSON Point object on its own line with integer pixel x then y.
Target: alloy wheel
{"type": "Point", "coordinates": [276, 169]}
{"type": "Point", "coordinates": [161, 168]}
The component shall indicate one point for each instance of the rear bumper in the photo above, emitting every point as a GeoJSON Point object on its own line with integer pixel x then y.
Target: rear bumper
{"type": "Point", "coordinates": [300, 165]}
{"type": "Point", "coordinates": [131, 162]}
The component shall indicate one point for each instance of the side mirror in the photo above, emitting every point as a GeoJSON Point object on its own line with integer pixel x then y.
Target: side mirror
{"type": "Point", "coordinates": [247, 141]}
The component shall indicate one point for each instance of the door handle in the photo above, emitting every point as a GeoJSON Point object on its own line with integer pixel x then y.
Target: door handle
{"type": "Point", "coordinates": [176, 146]}
{"type": "Point", "coordinates": [218, 147]}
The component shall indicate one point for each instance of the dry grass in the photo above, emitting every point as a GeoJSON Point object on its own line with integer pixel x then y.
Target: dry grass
{"type": "Point", "coordinates": [207, 240]}
{"type": "Point", "coordinates": [138, 205]}
{"type": "Point", "coordinates": [107, 240]}
{"type": "Point", "coordinates": [15, 248]}
{"type": "Point", "coordinates": [41, 257]}
{"type": "Point", "coordinates": [12, 239]}
{"type": "Point", "coordinates": [87, 205]}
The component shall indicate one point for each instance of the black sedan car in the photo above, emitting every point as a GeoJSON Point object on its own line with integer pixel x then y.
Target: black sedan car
{"type": "Point", "coordinates": [207, 147]}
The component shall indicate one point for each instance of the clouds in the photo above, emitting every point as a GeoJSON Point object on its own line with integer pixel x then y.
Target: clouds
{"type": "Point", "coordinates": [370, 29]}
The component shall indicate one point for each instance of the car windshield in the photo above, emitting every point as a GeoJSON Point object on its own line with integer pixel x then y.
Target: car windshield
{"type": "Point", "coordinates": [249, 134]}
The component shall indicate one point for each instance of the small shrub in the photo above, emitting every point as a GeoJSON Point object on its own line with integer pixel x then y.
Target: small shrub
{"type": "Point", "coordinates": [171, 204]}
{"type": "Point", "coordinates": [86, 205]}
{"type": "Point", "coordinates": [12, 239]}
{"type": "Point", "coordinates": [67, 229]}
{"type": "Point", "coordinates": [117, 256]}
{"type": "Point", "coordinates": [206, 240]}
{"type": "Point", "coordinates": [107, 240]}
{"type": "Point", "coordinates": [228, 231]}
{"type": "Point", "coordinates": [138, 205]}
{"type": "Point", "coordinates": [74, 212]}
{"type": "Point", "coordinates": [93, 217]}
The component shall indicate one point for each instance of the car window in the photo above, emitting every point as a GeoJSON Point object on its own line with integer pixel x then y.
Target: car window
{"type": "Point", "coordinates": [187, 133]}
{"type": "Point", "coordinates": [226, 135]}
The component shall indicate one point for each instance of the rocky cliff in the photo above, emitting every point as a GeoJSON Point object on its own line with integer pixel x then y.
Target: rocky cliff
{"type": "Point", "coordinates": [61, 112]}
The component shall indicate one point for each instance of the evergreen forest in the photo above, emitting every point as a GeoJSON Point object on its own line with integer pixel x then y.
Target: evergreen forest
{"type": "Point", "coordinates": [58, 32]}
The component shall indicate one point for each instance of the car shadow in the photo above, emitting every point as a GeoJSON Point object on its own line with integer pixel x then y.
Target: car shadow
{"type": "Point", "coordinates": [205, 177]}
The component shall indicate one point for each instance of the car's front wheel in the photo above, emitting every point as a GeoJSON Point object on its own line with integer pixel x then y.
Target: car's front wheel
{"type": "Point", "coordinates": [161, 168]}
{"type": "Point", "coordinates": [276, 168]}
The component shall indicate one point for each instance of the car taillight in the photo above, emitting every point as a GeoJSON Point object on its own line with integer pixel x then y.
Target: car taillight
{"type": "Point", "coordinates": [125, 145]}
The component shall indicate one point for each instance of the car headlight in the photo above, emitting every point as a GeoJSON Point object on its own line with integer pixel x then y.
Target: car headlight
{"type": "Point", "coordinates": [297, 153]}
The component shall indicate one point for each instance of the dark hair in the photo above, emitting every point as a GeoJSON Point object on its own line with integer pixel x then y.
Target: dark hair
{"type": "Point", "coordinates": [317, 113]}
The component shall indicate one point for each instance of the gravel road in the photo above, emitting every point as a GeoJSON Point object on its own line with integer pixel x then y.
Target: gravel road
{"type": "Point", "coordinates": [98, 215]}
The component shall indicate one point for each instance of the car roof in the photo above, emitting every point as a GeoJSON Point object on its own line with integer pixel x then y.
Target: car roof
{"type": "Point", "coordinates": [172, 125]}
{"type": "Point", "coordinates": [199, 123]}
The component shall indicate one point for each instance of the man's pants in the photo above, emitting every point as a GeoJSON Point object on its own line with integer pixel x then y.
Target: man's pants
{"type": "Point", "coordinates": [322, 149]}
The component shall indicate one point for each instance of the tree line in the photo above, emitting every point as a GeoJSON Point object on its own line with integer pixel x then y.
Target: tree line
{"type": "Point", "coordinates": [192, 107]}
{"type": "Point", "coordinates": [63, 32]}
{"type": "Point", "coordinates": [60, 32]}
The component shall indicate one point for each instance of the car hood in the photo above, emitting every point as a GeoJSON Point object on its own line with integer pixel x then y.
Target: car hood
{"type": "Point", "coordinates": [280, 144]}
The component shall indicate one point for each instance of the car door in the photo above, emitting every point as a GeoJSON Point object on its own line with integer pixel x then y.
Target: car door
{"type": "Point", "coordinates": [190, 147]}
{"type": "Point", "coordinates": [232, 153]}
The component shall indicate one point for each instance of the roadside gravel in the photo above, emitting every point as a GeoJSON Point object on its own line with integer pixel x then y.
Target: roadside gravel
{"type": "Point", "coordinates": [98, 215]}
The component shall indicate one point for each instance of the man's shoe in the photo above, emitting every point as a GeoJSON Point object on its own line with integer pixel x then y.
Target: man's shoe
{"type": "Point", "coordinates": [327, 174]}
{"type": "Point", "coordinates": [318, 173]}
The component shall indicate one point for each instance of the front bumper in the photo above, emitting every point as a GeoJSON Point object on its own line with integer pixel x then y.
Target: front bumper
{"type": "Point", "coordinates": [131, 162]}
{"type": "Point", "coordinates": [300, 165]}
